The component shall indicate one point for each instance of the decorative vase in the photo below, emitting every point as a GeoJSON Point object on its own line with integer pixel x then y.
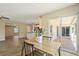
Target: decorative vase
{"type": "Point", "coordinates": [39, 38]}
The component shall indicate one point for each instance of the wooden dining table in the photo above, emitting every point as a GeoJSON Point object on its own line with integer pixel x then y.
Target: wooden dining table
{"type": "Point", "coordinates": [47, 46]}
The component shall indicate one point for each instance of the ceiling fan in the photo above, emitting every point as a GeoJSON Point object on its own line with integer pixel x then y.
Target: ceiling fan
{"type": "Point", "coordinates": [3, 17]}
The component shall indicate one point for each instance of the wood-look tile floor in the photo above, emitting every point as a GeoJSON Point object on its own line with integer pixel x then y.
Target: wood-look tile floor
{"type": "Point", "coordinates": [11, 47]}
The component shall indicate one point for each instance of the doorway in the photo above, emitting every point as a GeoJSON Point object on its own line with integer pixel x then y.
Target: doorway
{"type": "Point", "coordinates": [11, 34]}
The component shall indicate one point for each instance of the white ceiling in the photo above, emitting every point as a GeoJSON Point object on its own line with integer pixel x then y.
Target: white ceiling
{"type": "Point", "coordinates": [27, 12]}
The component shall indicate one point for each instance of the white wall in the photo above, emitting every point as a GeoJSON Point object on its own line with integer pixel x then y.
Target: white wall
{"type": "Point", "coordinates": [2, 30]}
{"type": "Point", "coordinates": [77, 33]}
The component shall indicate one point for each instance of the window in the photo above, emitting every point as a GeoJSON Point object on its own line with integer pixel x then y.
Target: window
{"type": "Point", "coordinates": [51, 29]}
{"type": "Point", "coordinates": [16, 30]}
{"type": "Point", "coordinates": [65, 31]}
{"type": "Point", "coordinates": [57, 30]}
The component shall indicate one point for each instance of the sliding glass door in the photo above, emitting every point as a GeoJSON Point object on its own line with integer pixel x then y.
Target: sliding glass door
{"type": "Point", "coordinates": [68, 32]}
{"type": "Point", "coordinates": [64, 28]}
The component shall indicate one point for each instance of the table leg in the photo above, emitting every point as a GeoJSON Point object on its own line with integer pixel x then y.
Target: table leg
{"type": "Point", "coordinates": [59, 52]}
{"type": "Point", "coordinates": [22, 49]}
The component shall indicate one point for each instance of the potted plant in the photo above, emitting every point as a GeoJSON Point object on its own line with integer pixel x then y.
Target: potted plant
{"type": "Point", "coordinates": [38, 32]}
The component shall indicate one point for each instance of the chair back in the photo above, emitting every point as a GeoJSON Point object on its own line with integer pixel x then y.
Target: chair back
{"type": "Point", "coordinates": [28, 49]}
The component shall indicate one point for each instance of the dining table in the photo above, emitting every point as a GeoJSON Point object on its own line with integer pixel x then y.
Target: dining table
{"type": "Point", "coordinates": [46, 46]}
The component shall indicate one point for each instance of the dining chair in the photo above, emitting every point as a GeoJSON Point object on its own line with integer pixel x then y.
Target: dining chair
{"type": "Point", "coordinates": [27, 49]}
